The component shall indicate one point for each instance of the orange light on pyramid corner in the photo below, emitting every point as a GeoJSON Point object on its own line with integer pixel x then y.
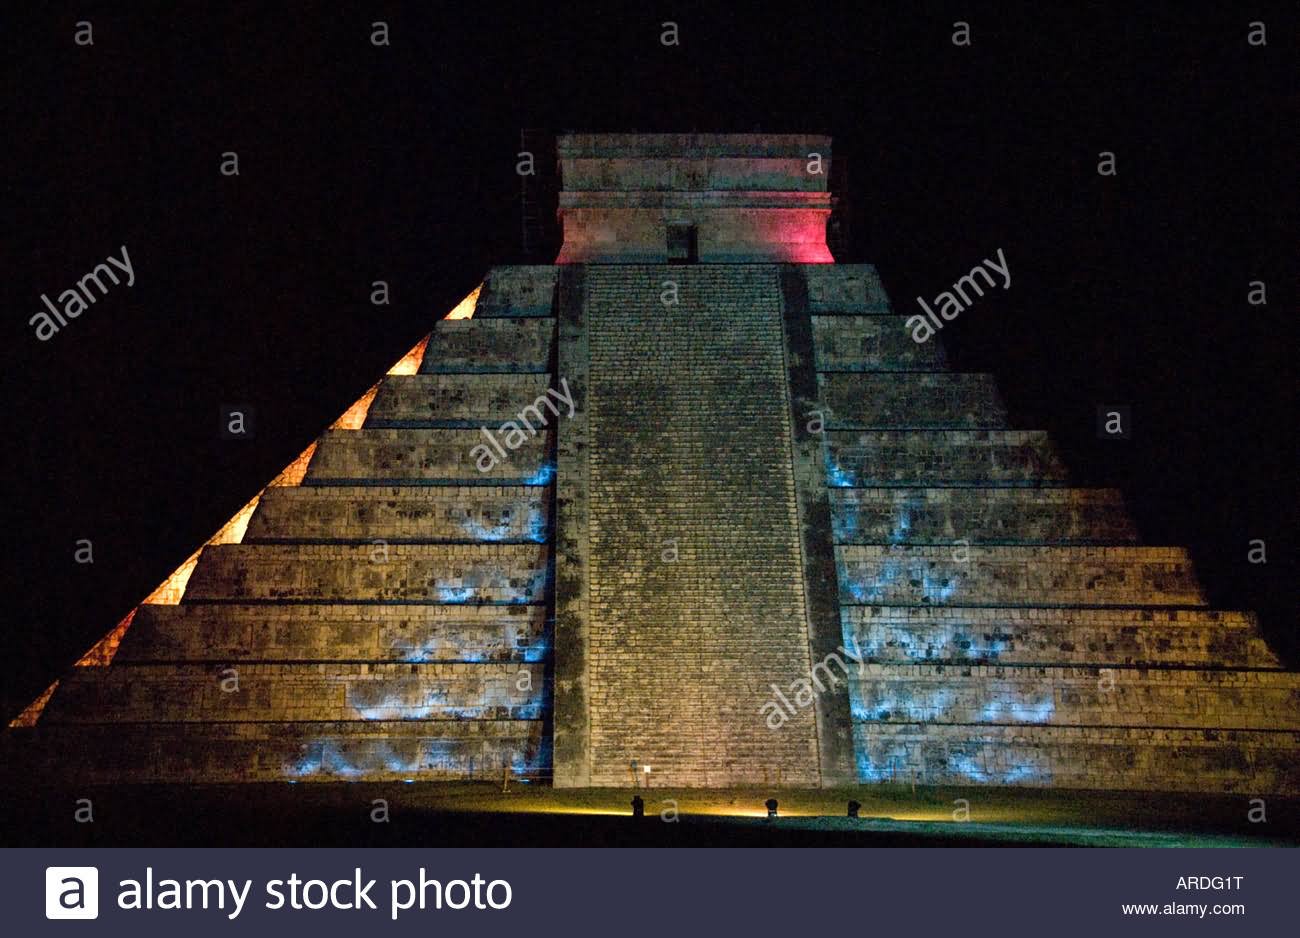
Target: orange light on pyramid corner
{"type": "Point", "coordinates": [101, 654]}
{"type": "Point", "coordinates": [409, 364]}
{"type": "Point", "coordinates": [296, 471]}
{"type": "Point", "coordinates": [171, 590]}
{"type": "Point", "coordinates": [465, 308]}
{"type": "Point", "coordinates": [29, 716]}
{"type": "Point", "coordinates": [354, 418]}
{"type": "Point", "coordinates": [232, 532]}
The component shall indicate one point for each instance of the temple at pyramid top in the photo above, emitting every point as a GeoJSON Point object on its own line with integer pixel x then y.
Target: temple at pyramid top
{"type": "Point", "coordinates": [694, 198]}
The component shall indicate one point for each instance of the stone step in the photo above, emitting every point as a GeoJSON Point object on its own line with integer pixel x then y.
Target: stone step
{"type": "Point", "coordinates": [928, 400]}
{"type": "Point", "coordinates": [979, 516]}
{"type": "Point", "coordinates": [401, 514]}
{"type": "Point", "coordinates": [250, 692]}
{"type": "Point", "coordinates": [1106, 758]}
{"type": "Point", "coordinates": [517, 291]}
{"type": "Point", "coordinates": [846, 288]}
{"type": "Point", "coordinates": [430, 457]}
{"type": "Point", "coordinates": [463, 400]}
{"type": "Point", "coordinates": [1111, 637]}
{"type": "Point", "coordinates": [980, 694]}
{"type": "Point", "coordinates": [229, 633]}
{"type": "Point", "coordinates": [872, 343]}
{"type": "Point", "coordinates": [922, 458]}
{"type": "Point", "coordinates": [489, 345]}
{"type": "Point", "coordinates": [1016, 576]}
{"type": "Point", "coordinates": [419, 750]}
{"type": "Point", "coordinates": [375, 573]}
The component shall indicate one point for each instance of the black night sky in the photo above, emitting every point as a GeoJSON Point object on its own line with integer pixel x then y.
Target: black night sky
{"type": "Point", "coordinates": [359, 163]}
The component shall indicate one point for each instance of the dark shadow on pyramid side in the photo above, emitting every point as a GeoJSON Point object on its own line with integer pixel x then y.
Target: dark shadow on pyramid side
{"type": "Point", "coordinates": [694, 499]}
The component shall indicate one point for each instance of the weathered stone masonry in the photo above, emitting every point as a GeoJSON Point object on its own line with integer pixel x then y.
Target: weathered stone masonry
{"type": "Point", "coordinates": [762, 472]}
{"type": "Point", "coordinates": [1015, 632]}
{"type": "Point", "coordinates": [387, 618]}
{"type": "Point", "coordinates": [697, 598]}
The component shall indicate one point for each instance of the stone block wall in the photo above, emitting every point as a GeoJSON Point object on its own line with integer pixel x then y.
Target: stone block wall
{"type": "Point", "coordinates": [747, 197]}
{"type": "Point", "coordinates": [255, 692]}
{"type": "Point", "coordinates": [426, 457]}
{"type": "Point", "coordinates": [476, 346]}
{"type": "Point", "coordinates": [1074, 696]}
{"type": "Point", "coordinates": [846, 290]}
{"type": "Point", "coordinates": [518, 291]}
{"type": "Point", "coordinates": [323, 632]}
{"type": "Point", "coordinates": [1009, 628]}
{"type": "Point", "coordinates": [388, 618]}
{"type": "Point", "coordinates": [871, 343]}
{"type": "Point", "coordinates": [481, 572]}
{"type": "Point", "coordinates": [401, 514]}
{"type": "Point", "coordinates": [691, 562]}
{"type": "Point", "coordinates": [275, 751]}
{"type": "Point", "coordinates": [1143, 759]}
{"type": "Point", "coordinates": [744, 232]}
{"type": "Point", "coordinates": [456, 400]}
{"type": "Point", "coordinates": [927, 458]}
{"type": "Point", "coordinates": [909, 399]}
{"type": "Point", "coordinates": [1118, 636]}
{"type": "Point", "coordinates": [1002, 575]}
{"type": "Point", "coordinates": [980, 516]}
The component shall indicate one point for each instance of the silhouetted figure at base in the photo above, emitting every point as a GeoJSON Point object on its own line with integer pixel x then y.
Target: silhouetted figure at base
{"type": "Point", "coordinates": [770, 804]}
{"type": "Point", "coordinates": [638, 806]}
{"type": "Point", "coordinates": [854, 807]}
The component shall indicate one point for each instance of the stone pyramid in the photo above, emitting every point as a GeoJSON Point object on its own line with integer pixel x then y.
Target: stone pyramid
{"type": "Point", "coordinates": [690, 502]}
{"type": "Point", "coordinates": [377, 611]}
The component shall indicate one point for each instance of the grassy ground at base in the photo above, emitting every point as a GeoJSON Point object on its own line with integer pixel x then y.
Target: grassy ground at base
{"type": "Point", "coordinates": [469, 814]}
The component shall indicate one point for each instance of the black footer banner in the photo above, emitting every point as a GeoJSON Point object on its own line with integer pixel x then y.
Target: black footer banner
{"type": "Point", "coordinates": [633, 892]}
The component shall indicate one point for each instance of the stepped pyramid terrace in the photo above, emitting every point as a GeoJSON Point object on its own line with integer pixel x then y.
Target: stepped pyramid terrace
{"type": "Point", "coordinates": [691, 498]}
